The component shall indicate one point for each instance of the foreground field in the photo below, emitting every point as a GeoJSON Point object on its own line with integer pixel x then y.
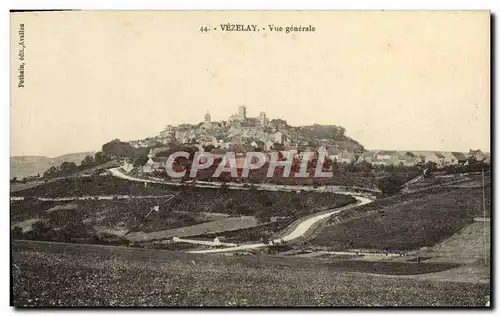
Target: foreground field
{"type": "Point", "coordinates": [79, 275]}
{"type": "Point", "coordinates": [401, 224]}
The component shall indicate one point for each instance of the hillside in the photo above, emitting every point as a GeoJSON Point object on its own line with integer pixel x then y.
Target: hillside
{"type": "Point", "coordinates": [24, 166]}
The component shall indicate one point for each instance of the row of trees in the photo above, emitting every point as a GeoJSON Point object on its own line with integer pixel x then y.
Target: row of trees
{"type": "Point", "coordinates": [67, 167]}
{"type": "Point", "coordinates": [119, 149]}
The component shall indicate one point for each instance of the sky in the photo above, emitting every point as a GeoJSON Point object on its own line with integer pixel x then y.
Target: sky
{"type": "Point", "coordinates": [394, 80]}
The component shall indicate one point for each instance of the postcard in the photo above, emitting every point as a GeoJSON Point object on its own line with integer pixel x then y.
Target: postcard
{"type": "Point", "coordinates": [250, 158]}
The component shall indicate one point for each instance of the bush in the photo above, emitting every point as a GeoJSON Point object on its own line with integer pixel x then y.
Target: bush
{"type": "Point", "coordinates": [276, 247]}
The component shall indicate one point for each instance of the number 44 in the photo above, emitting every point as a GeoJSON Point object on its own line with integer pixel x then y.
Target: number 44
{"type": "Point", "coordinates": [203, 29]}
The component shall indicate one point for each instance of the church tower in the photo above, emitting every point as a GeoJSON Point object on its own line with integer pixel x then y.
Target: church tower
{"type": "Point", "coordinates": [207, 117]}
{"type": "Point", "coordinates": [242, 112]}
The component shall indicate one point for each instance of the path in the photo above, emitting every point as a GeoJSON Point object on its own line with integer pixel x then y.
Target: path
{"type": "Point", "coordinates": [90, 197]}
{"type": "Point", "coordinates": [299, 231]}
{"type": "Point", "coordinates": [203, 242]}
{"type": "Point", "coordinates": [212, 227]}
{"type": "Point", "coordinates": [260, 186]}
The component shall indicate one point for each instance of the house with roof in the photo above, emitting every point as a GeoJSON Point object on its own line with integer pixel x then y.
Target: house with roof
{"type": "Point", "coordinates": [379, 162]}
{"type": "Point", "coordinates": [127, 166]}
{"type": "Point", "coordinates": [155, 164]}
{"type": "Point", "coordinates": [279, 137]}
{"type": "Point", "coordinates": [322, 151]}
{"type": "Point", "coordinates": [148, 166]}
{"type": "Point", "coordinates": [242, 148]}
{"type": "Point", "coordinates": [441, 160]}
{"type": "Point", "coordinates": [135, 143]}
{"type": "Point", "coordinates": [449, 158]}
{"type": "Point", "coordinates": [459, 157]}
{"type": "Point", "coordinates": [367, 156]}
{"type": "Point", "coordinates": [386, 155]}
{"type": "Point", "coordinates": [333, 154]}
{"type": "Point", "coordinates": [408, 159]}
{"type": "Point", "coordinates": [382, 157]}
{"type": "Point", "coordinates": [429, 156]}
{"type": "Point", "coordinates": [305, 146]}
{"type": "Point", "coordinates": [268, 145]}
{"type": "Point", "coordinates": [394, 161]}
{"type": "Point", "coordinates": [257, 144]}
{"type": "Point", "coordinates": [346, 156]}
{"type": "Point", "coordinates": [477, 154]}
{"type": "Point", "coordinates": [210, 141]}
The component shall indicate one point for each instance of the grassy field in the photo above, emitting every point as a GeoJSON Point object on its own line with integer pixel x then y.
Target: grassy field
{"type": "Point", "coordinates": [239, 202]}
{"type": "Point", "coordinates": [80, 275]}
{"type": "Point", "coordinates": [263, 232]}
{"type": "Point", "coordinates": [94, 185]}
{"type": "Point", "coordinates": [109, 219]}
{"type": "Point", "coordinates": [454, 180]}
{"type": "Point", "coordinates": [405, 223]}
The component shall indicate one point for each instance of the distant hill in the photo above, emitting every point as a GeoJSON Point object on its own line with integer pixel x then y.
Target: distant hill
{"type": "Point", "coordinates": [24, 166]}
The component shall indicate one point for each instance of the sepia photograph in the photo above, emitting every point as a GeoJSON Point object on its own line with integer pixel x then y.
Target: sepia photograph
{"type": "Point", "coordinates": [250, 159]}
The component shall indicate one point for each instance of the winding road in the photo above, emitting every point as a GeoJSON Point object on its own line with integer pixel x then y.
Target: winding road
{"type": "Point", "coordinates": [260, 186]}
{"type": "Point", "coordinates": [299, 231]}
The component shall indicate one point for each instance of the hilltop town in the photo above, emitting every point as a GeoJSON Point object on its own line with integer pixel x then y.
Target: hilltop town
{"type": "Point", "coordinates": [241, 133]}
{"type": "Point", "coordinates": [255, 132]}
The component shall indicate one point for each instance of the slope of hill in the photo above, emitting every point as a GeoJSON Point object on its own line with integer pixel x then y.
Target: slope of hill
{"type": "Point", "coordinates": [24, 166]}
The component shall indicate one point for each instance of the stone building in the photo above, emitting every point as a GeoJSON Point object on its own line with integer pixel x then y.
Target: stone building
{"type": "Point", "coordinates": [242, 112]}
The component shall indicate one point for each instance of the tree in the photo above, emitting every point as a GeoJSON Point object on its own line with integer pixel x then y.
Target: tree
{"type": "Point", "coordinates": [39, 230]}
{"type": "Point", "coordinates": [50, 172]}
{"type": "Point", "coordinates": [101, 158]}
{"type": "Point", "coordinates": [17, 232]}
{"type": "Point", "coordinates": [139, 162]}
{"type": "Point", "coordinates": [68, 166]}
{"type": "Point", "coordinates": [390, 184]}
{"type": "Point", "coordinates": [88, 161]}
{"type": "Point", "coordinates": [263, 215]}
{"type": "Point", "coordinates": [140, 152]}
{"type": "Point", "coordinates": [164, 153]}
{"type": "Point", "coordinates": [278, 122]}
{"type": "Point", "coordinates": [118, 148]}
{"type": "Point", "coordinates": [365, 167]}
{"type": "Point", "coordinates": [335, 164]}
{"type": "Point", "coordinates": [208, 147]}
{"type": "Point", "coordinates": [431, 165]}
